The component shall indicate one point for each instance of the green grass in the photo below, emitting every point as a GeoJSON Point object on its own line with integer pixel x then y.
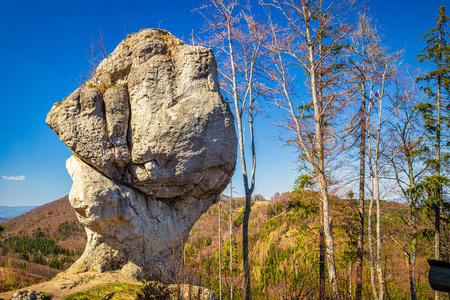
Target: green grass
{"type": "Point", "coordinates": [122, 291]}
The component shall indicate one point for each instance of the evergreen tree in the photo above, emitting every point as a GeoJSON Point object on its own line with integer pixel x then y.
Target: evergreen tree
{"type": "Point", "coordinates": [435, 113]}
{"type": "Point", "coordinates": [436, 83]}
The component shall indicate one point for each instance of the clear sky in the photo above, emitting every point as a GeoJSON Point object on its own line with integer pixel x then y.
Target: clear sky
{"type": "Point", "coordinates": [43, 50]}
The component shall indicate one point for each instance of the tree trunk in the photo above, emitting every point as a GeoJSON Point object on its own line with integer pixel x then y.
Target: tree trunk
{"type": "Point", "coordinates": [413, 222]}
{"type": "Point", "coordinates": [350, 279]}
{"type": "Point", "coordinates": [322, 252]}
{"type": "Point", "coordinates": [437, 240]}
{"type": "Point", "coordinates": [379, 244]}
{"type": "Point", "coordinates": [370, 234]}
{"type": "Point", "coordinates": [231, 239]}
{"type": "Point", "coordinates": [411, 256]}
{"type": "Point", "coordinates": [410, 263]}
{"type": "Point", "coordinates": [220, 251]}
{"type": "Point", "coordinates": [328, 237]}
{"type": "Point", "coordinates": [437, 234]}
{"type": "Point", "coordinates": [245, 246]}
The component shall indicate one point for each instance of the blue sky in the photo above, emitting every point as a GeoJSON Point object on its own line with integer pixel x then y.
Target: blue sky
{"type": "Point", "coordinates": [42, 53]}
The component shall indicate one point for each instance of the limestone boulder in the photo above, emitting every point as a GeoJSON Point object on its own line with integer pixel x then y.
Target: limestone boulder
{"type": "Point", "coordinates": [154, 145]}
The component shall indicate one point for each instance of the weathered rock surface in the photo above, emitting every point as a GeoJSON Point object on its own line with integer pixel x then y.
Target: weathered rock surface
{"type": "Point", "coordinates": [28, 295]}
{"type": "Point", "coordinates": [154, 145]}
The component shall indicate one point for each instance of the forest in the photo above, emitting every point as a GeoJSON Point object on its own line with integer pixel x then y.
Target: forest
{"type": "Point", "coordinates": [365, 126]}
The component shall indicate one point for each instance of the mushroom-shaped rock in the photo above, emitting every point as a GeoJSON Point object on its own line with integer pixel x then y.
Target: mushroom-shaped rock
{"type": "Point", "coordinates": [154, 146]}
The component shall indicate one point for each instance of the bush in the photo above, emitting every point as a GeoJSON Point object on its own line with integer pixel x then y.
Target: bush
{"type": "Point", "coordinates": [240, 219]}
{"type": "Point", "coordinates": [269, 211]}
{"type": "Point", "coordinates": [307, 208]}
{"type": "Point", "coordinates": [24, 256]}
{"type": "Point", "coordinates": [154, 290]}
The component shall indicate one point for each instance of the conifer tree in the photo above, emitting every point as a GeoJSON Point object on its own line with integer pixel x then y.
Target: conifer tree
{"type": "Point", "coordinates": [436, 83]}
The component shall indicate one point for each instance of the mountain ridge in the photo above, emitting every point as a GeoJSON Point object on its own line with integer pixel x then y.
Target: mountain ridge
{"type": "Point", "coordinates": [14, 211]}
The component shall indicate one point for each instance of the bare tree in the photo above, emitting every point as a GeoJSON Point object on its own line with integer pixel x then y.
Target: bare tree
{"type": "Point", "coordinates": [383, 68]}
{"type": "Point", "coordinates": [407, 169]}
{"type": "Point", "coordinates": [361, 40]}
{"type": "Point", "coordinates": [237, 38]}
{"type": "Point", "coordinates": [372, 69]}
{"type": "Point", "coordinates": [311, 39]}
{"type": "Point", "coordinates": [95, 53]}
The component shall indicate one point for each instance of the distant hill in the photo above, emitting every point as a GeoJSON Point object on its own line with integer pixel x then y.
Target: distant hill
{"type": "Point", "coordinates": [42, 242]}
{"type": "Point", "coordinates": [4, 219]}
{"type": "Point", "coordinates": [54, 220]}
{"type": "Point", "coordinates": [13, 211]}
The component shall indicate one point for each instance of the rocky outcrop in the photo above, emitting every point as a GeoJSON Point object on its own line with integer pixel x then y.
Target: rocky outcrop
{"type": "Point", "coordinates": [154, 145]}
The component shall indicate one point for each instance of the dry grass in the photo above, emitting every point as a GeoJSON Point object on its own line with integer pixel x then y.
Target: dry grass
{"type": "Point", "coordinates": [41, 271]}
{"type": "Point", "coordinates": [13, 279]}
{"type": "Point", "coordinates": [122, 291]}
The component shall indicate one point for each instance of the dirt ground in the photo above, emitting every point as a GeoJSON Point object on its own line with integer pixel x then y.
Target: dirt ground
{"type": "Point", "coordinates": [64, 285]}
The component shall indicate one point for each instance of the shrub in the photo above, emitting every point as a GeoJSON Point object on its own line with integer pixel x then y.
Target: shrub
{"type": "Point", "coordinates": [240, 219]}
{"type": "Point", "coordinates": [154, 290]}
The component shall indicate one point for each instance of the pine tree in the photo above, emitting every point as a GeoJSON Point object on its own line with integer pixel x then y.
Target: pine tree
{"type": "Point", "coordinates": [435, 113]}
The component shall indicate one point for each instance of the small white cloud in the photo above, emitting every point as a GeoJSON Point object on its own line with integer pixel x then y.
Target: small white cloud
{"type": "Point", "coordinates": [20, 177]}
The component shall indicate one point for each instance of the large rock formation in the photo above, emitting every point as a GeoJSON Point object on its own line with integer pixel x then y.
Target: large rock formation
{"type": "Point", "coordinates": [154, 145]}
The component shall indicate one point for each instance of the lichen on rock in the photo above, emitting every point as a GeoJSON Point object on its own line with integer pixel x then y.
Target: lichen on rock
{"type": "Point", "coordinates": [154, 145]}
